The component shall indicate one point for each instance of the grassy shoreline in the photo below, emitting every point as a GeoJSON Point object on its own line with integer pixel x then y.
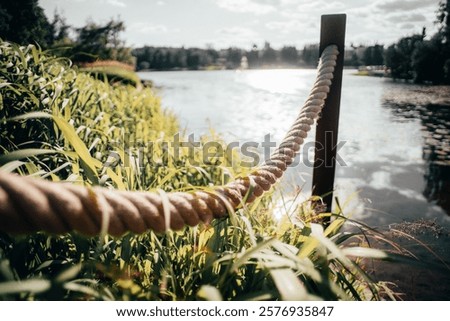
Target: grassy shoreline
{"type": "Point", "coordinates": [100, 132]}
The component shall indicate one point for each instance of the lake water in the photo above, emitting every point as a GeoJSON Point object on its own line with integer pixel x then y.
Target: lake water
{"type": "Point", "coordinates": [397, 136]}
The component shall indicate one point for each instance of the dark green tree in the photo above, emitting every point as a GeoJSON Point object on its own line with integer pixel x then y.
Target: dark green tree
{"type": "Point", "coordinates": [192, 59]}
{"type": "Point", "coordinates": [421, 60]}
{"type": "Point", "coordinates": [428, 61]}
{"type": "Point", "coordinates": [378, 55]}
{"type": "Point", "coordinates": [310, 55]}
{"type": "Point", "coordinates": [269, 55]}
{"type": "Point", "coordinates": [158, 59]}
{"type": "Point", "coordinates": [367, 56]}
{"type": "Point", "coordinates": [253, 57]}
{"type": "Point", "coordinates": [180, 58]}
{"type": "Point", "coordinates": [164, 58]}
{"type": "Point", "coordinates": [399, 57]}
{"type": "Point", "coordinates": [101, 42]}
{"type": "Point", "coordinates": [443, 20]}
{"type": "Point", "coordinates": [60, 31]}
{"type": "Point", "coordinates": [374, 56]}
{"type": "Point", "coordinates": [24, 22]}
{"type": "Point", "coordinates": [289, 55]}
{"type": "Point", "coordinates": [234, 56]}
{"type": "Point", "coordinates": [212, 54]}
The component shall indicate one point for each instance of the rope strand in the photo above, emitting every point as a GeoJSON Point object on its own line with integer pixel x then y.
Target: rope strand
{"type": "Point", "coordinates": [28, 205]}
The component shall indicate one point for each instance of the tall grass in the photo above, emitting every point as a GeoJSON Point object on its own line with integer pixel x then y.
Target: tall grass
{"type": "Point", "coordinates": [114, 74]}
{"type": "Point", "coordinates": [62, 125]}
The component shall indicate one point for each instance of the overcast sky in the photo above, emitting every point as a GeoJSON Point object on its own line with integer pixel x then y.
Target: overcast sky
{"type": "Point", "coordinates": [224, 23]}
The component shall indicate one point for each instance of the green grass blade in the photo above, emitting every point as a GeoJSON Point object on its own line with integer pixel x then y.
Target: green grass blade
{"type": "Point", "coordinates": [32, 286]}
{"type": "Point", "coordinates": [24, 153]}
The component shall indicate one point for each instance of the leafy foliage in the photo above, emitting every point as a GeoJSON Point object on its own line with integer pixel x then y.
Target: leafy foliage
{"type": "Point", "coordinates": [443, 19]}
{"type": "Point", "coordinates": [373, 56]}
{"type": "Point", "coordinates": [101, 42]}
{"type": "Point", "coordinates": [24, 22]}
{"type": "Point", "coordinates": [420, 60]}
{"type": "Point", "coordinates": [398, 57]}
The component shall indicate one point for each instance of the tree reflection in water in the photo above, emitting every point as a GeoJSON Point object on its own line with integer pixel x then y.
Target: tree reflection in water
{"type": "Point", "coordinates": [436, 153]}
{"type": "Point", "coordinates": [431, 105]}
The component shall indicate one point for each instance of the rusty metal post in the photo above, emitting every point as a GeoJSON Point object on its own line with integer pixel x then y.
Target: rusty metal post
{"type": "Point", "coordinates": [332, 32]}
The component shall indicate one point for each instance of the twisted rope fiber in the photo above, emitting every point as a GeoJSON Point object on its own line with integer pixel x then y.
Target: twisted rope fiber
{"type": "Point", "coordinates": [28, 205]}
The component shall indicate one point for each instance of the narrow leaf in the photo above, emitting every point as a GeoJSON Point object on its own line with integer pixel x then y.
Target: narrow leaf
{"type": "Point", "coordinates": [24, 153]}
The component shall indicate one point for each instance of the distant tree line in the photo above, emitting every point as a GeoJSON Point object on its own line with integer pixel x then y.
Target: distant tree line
{"type": "Point", "coordinates": [168, 58]}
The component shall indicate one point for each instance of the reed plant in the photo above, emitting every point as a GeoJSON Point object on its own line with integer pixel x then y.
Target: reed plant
{"type": "Point", "coordinates": [60, 124]}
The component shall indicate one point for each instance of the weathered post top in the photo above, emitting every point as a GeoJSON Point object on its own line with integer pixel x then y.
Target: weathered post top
{"type": "Point", "coordinates": [332, 32]}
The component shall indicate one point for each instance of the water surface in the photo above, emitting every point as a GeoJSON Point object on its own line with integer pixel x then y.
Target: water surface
{"type": "Point", "coordinates": [397, 136]}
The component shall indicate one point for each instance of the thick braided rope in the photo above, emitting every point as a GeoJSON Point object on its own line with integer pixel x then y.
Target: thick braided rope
{"type": "Point", "coordinates": [29, 205]}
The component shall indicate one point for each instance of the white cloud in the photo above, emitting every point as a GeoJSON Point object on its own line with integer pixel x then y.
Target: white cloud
{"type": "Point", "coordinates": [247, 6]}
{"type": "Point", "coordinates": [416, 17]}
{"type": "Point", "coordinates": [402, 5]}
{"type": "Point", "coordinates": [237, 31]}
{"type": "Point", "coordinates": [293, 22]}
{"type": "Point", "coordinates": [286, 27]}
{"type": "Point", "coordinates": [311, 9]}
{"type": "Point", "coordinates": [146, 28]}
{"type": "Point", "coordinates": [236, 36]}
{"type": "Point", "coordinates": [321, 6]}
{"type": "Point", "coordinates": [116, 3]}
{"type": "Point", "coordinates": [407, 26]}
{"type": "Point", "coordinates": [288, 2]}
{"type": "Point", "coordinates": [386, 21]}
